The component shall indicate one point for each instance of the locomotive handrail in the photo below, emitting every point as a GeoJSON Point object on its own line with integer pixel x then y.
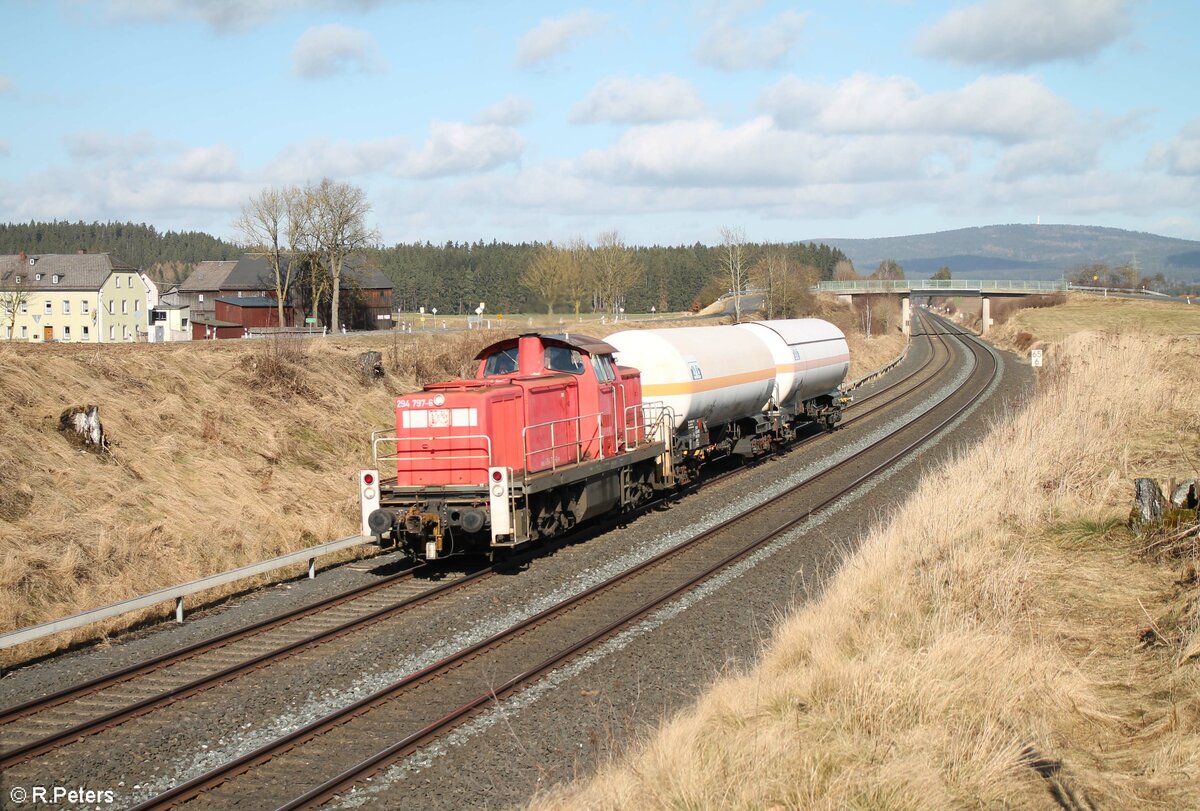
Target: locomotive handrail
{"type": "Point", "coordinates": [451, 453]}
{"type": "Point", "coordinates": [578, 441]}
{"type": "Point", "coordinates": [653, 427]}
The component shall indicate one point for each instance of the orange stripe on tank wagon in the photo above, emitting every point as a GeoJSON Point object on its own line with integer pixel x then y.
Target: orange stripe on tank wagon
{"type": "Point", "coordinates": [693, 386]}
{"type": "Point", "coordinates": [832, 360]}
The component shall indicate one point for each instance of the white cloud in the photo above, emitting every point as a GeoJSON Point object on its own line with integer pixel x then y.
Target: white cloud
{"type": "Point", "coordinates": [1052, 156]}
{"type": "Point", "coordinates": [730, 46]}
{"type": "Point", "coordinates": [7, 85]}
{"type": "Point", "coordinates": [508, 112]}
{"type": "Point", "coordinates": [95, 145]}
{"type": "Point", "coordinates": [217, 162]}
{"type": "Point", "coordinates": [320, 157]}
{"type": "Point", "coordinates": [225, 15]}
{"type": "Point", "coordinates": [759, 153]}
{"type": "Point", "coordinates": [453, 148]}
{"type": "Point", "coordinates": [638, 101]}
{"type": "Point", "coordinates": [1018, 33]}
{"type": "Point", "coordinates": [552, 36]}
{"type": "Point", "coordinates": [1182, 155]}
{"type": "Point", "coordinates": [1006, 108]}
{"type": "Point", "coordinates": [328, 50]}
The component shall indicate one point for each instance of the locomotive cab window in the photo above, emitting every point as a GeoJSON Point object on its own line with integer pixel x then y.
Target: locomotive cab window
{"type": "Point", "coordinates": [604, 368]}
{"type": "Point", "coordinates": [562, 359]}
{"type": "Point", "coordinates": [503, 362]}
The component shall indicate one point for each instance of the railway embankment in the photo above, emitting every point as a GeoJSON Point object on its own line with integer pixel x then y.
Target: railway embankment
{"type": "Point", "coordinates": [221, 454]}
{"type": "Point", "coordinates": [1003, 638]}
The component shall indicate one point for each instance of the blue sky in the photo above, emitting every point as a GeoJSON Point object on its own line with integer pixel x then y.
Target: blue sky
{"type": "Point", "coordinates": [665, 121]}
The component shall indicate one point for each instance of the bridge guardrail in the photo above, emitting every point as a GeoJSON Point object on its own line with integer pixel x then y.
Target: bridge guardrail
{"type": "Point", "coordinates": [949, 285]}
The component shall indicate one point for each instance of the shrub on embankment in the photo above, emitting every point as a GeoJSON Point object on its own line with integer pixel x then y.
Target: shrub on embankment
{"type": "Point", "coordinates": [987, 647]}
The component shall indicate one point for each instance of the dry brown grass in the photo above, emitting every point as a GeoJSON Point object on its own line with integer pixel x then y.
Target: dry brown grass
{"type": "Point", "coordinates": [996, 620]}
{"type": "Point", "coordinates": [1082, 312]}
{"type": "Point", "coordinates": [223, 453]}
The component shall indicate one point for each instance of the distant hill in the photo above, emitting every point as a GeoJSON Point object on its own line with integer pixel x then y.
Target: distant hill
{"type": "Point", "coordinates": [1025, 251]}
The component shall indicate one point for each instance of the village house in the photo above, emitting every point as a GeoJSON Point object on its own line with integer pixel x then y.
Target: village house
{"type": "Point", "coordinates": [366, 297]}
{"type": "Point", "coordinates": [76, 298]}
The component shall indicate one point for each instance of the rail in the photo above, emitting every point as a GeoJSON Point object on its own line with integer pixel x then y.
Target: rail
{"type": "Point", "coordinates": [177, 593]}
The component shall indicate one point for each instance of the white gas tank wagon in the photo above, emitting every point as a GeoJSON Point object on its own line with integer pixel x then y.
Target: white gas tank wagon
{"type": "Point", "coordinates": [735, 389]}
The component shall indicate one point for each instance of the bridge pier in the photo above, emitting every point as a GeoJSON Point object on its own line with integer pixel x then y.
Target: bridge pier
{"type": "Point", "coordinates": [905, 315]}
{"type": "Point", "coordinates": [985, 315]}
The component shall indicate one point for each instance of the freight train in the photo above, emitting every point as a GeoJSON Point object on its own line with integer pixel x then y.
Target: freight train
{"type": "Point", "coordinates": [557, 429]}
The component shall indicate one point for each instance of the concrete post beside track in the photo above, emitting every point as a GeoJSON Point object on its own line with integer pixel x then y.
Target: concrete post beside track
{"type": "Point", "coordinates": [985, 316]}
{"type": "Point", "coordinates": [905, 315]}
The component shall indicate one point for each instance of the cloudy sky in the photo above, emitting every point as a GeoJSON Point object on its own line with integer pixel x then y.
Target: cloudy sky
{"type": "Point", "coordinates": [665, 120]}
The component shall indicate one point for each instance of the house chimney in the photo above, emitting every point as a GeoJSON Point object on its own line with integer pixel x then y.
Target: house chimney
{"type": "Point", "coordinates": [24, 256]}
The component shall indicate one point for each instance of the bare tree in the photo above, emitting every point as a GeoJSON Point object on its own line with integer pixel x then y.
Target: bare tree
{"type": "Point", "coordinates": [889, 270]}
{"type": "Point", "coordinates": [339, 230]}
{"type": "Point", "coordinates": [547, 274]}
{"type": "Point", "coordinates": [614, 270]}
{"type": "Point", "coordinates": [784, 286]}
{"type": "Point", "coordinates": [576, 284]}
{"type": "Point", "coordinates": [733, 260]}
{"type": "Point", "coordinates": [11, 302]}
{"type": "Point", "coordinates": [844, 271]}
{"type": "Point", "coordinates": [266, 227]}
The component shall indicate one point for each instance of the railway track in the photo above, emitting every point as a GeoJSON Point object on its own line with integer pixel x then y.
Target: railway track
{"type": "Point", "coordinates": [330, 755]}
{"type": "Point", "coordinates": [42, 725]}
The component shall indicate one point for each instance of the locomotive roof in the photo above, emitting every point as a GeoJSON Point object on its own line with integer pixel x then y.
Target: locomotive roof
{"type": "Point", "coordinates": [584, 343]}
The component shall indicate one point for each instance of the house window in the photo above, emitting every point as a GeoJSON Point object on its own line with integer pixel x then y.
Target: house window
{"type": "Point", "coordinates": [118, 281]}
{"type": "Point", "coordinates": [124, 306]}
{"type": "Point", "coordinates": [86, 332]}
{"type": "Point", "coordinates": [54, 278]}
{"type": "Point", "coordinates": [66, 307]}
{"type": "Point", "coordinates": [110, 306]}
{"type": "Point", "coordinates": [112, 332]}
{"type": "Point", "coordinates": [24, 307]}
{"type": "Point", "coordinates": [49, 307]}
{"type": "Point", "coordinates": [37, 277]}
{"type": "Point", "coordinates": [18, 278]}
{"type": "Point", "coordinates": [201, 298]}
{"type": "Point", "coordinates": [66, 333]}
{"type": "Point", "coordinates": [83, 306]}
{"type": "Point", "coordinates": [137, 306]}
{"type": "Point", "coordinates": [24, 331]}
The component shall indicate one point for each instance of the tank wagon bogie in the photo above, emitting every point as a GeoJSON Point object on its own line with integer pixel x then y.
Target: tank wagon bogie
{"type": "Point", "coordinates": [555, 430]}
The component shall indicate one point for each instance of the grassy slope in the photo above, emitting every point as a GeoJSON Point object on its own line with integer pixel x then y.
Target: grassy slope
{"type": "Point", "coordinates": [224, 453]}
{"type": "Point", "coordinates": [997, 619]}
{"type": "Point", "coordinates": [1093, 313]}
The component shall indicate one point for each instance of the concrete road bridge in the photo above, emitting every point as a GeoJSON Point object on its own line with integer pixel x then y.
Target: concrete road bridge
{"type": "Point", "coordinates": [906, 288]}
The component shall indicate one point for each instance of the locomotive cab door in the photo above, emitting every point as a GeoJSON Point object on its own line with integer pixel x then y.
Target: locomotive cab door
{"type": "Point", "coordinates": [608, 405]}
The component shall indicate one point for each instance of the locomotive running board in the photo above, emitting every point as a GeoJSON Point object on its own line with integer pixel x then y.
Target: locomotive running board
{"type": "Point", "coordinates": [545, 480]}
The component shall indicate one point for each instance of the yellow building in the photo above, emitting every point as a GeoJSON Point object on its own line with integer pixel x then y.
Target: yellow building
{"type": "Point", "coordinates": [72, 298]}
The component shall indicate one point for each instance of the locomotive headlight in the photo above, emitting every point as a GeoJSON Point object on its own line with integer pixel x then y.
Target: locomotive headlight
{"type": "Point", "coordinates": [498, 491]}
{"type": "Point", "coordinates": [369, 493]}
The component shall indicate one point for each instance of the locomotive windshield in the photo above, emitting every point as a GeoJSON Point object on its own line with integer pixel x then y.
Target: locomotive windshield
{"type": "Point", "coordinates": [562, 359]}
{"type": "Point", "coordinates": [503, 362]}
